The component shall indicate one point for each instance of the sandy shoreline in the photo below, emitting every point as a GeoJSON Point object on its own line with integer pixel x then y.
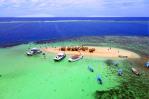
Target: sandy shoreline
{"type": "Point", "coordinates": [104, 52]}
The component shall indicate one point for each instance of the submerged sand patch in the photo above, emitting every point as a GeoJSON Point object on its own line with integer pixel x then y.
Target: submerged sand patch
{"type": "Point", "coordinates": [104, 52]}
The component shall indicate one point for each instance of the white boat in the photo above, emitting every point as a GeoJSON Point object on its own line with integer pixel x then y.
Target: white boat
{"type": "Point", "coordinates": [135, 71]}
{"type": "Point", "coordinates": [33, 51]}
{"type": "Point", "coordinates": [75, 58]}
{"type": "Point", "coordinates": [60, 56]}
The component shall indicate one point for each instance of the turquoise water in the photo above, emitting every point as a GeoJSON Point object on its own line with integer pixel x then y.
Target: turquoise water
{"type": "Point", "coordinates": [39, 78]}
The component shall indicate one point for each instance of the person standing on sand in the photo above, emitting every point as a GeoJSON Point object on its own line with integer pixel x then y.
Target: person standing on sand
{"type": "Point", "coordinates": [118, 51]}
{"type": "Point", "coordinates": [108, 49]}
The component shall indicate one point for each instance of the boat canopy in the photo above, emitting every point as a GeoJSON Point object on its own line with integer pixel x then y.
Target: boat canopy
{"type": "Point", "coordinates": [75, 56]}
{"type": "Point", "coordinates": [35, 48]}
{"type": "Point", "coordinates": [147, 64]}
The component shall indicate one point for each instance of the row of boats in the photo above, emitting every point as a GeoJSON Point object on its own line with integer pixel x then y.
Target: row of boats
{"type": "Point", "coordinates": [60, 56]}
{"type": "Point", "coordinates": [120, 72]}
{"type": "Point", "coordinates": [134, 70]}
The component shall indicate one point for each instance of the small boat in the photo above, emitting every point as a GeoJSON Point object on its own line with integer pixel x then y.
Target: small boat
{"type": "Point", "coordinates": [75, 58]}
{"type": "Point", "coordinates": [120, 72]}
{"type": "Point", "coordinates": [99, 80]}
{"type": "Point", "coordinates": [146, 64]}
{"type": "Point", "coordinates": [60, 56]}
{"type": "Point", "coordinates": [90, 68]}
{"type": "Point", "coordinates": [33, 51]}
{"type": "Point", "coordinates": [135, 71]}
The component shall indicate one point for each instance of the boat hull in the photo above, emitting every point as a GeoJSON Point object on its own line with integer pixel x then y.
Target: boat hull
{"type": "Point", "coordinates": [73, 60]}
{"type": "Point", "coordinates": [57, 60]}
{"type": "Point", "coordinates": [135, 71]}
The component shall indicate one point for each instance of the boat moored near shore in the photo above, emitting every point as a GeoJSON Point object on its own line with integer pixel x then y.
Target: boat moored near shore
{"type": "Point", "coordinates": [135, 71]}
{"type": "Point", "coordinates": [75, 58]}
{"type": "Point", "coordinates": [60, 56]}
{"type": "Point", "coordinates": [33, 51]}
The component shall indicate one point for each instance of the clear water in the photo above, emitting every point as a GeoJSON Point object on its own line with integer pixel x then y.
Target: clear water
{"type": "Point", "coordinates": [38, 78]}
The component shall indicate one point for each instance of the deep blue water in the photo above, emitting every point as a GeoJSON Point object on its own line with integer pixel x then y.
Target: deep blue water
{"type": "Point", "coordinates": [20, 30]}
